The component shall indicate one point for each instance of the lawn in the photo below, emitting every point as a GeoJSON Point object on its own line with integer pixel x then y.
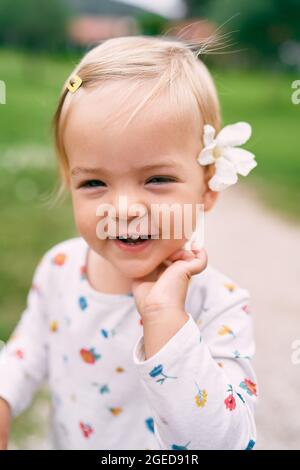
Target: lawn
{"type": "Point", "coordinates": [27, 176]}
{"type": "Point", "coordinates": [28, 172]}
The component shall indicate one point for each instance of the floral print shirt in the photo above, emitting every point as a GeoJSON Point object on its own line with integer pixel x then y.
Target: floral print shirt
{"type": "Point", "coordinates": [197, 392]}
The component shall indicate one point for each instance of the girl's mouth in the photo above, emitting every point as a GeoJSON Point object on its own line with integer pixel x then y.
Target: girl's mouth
{"type": "Point", "coordinates": [133, 244]}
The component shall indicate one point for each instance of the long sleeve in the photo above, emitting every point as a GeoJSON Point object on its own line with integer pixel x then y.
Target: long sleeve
{"type": "Point", "coordinates": [201, 386]}
{"type": "Point", "coordinates": [23, 360]}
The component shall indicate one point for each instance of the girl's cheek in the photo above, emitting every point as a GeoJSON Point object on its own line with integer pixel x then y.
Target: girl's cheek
{"type": "Point", "coordinates": [85, 216]}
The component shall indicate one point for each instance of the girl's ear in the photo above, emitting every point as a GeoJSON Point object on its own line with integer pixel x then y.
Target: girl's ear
{"type": "Point", "coordinates": [209, 196]}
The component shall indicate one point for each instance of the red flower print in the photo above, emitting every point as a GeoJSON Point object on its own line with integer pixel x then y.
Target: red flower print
{"type": "Point", "coordinates": [246, 308]}
{"type": "Point", "coordinates": [89, 355]}
{"type": "Point", "coordinates": [59, 259]}
{"type": "Point", "coordinates": [83, 272]}
{"type": "Point", "coordinates": [86, 429]}
{"type": "Point", "coordinates": [19, 353]}
{"type": "Point", "coordinates": [249, 386]}
{"type": "Point", "coordinates": [230, 402]}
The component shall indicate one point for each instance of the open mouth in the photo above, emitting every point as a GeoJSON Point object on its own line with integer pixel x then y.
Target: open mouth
{"type": "Point", "coordinates": [137, 240]}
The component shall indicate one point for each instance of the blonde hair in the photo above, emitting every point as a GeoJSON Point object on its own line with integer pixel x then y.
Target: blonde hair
{"type": "Point", "coordinates": [171, 64]}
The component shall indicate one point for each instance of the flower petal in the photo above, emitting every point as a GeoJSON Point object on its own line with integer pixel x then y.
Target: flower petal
{"type": "Point", "coordinates": [208, 134]}
{"type": "Point", "coordinates": [234, 134]}
{"type": "Point", "coordinates": [206, 155]}
{"type": "Point", "coordinates": [216, 183]}
{"type": "Point", "coordinates": [226, 171]}
{"type": "Point", "coordinates": [242, 160]}
{"type": "Point", "coordinates": [225, 175]}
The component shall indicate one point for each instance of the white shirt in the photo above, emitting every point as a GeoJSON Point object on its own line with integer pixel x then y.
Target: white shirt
{"type": "Point", "coordinates": [197, 392]}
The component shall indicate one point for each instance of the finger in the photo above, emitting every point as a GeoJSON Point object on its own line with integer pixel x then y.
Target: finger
{"type": "Point", "coordinates": [192, 267]}
{"type": "Point", "coordinates": [187, 268]}
{"type": "Point", "coordinates": [202, 255]}
{"type": "Point", "coordinates": [181, 254]}
{"type": "Point", "coordinates": [195, 246]}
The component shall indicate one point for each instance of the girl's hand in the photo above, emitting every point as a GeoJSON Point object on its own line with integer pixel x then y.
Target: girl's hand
{"type": "Point", "coordinates": [5, 419]}
{"type": "Point", "coordinates": [165, 289]}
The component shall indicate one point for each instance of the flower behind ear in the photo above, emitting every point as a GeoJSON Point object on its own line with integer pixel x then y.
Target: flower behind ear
{"type": "Point", "coordinates": [229, 159]}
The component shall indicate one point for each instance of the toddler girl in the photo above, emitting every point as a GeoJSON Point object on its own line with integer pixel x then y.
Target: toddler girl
{"type": "Point", "coordinates": [144, 345]}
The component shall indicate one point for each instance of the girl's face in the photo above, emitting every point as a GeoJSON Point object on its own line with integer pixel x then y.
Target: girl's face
{"type": "Point", "coordinates": [152, 161]}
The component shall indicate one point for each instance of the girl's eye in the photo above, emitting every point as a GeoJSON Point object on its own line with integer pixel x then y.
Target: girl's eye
{"type": "Point", "coordinates": [92, 184]}
{"type": "Point", "coordinates": [161, 179]}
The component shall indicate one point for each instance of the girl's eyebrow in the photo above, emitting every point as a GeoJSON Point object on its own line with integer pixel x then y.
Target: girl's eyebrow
{"type": "Point", "coordinates": [168, 164]}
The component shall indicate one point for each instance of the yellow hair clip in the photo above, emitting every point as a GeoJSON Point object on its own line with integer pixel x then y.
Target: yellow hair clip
{"type": "Point", "coordinates": [74, 83]}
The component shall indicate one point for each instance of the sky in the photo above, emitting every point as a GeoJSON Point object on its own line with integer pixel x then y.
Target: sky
{"type": "Point", "coordinates": [167, 8]}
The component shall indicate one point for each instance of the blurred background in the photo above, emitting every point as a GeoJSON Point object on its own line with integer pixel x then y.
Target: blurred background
{"type": "Point", "coordinates": [254, 233]}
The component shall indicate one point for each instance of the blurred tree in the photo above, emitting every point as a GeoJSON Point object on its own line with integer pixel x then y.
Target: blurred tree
{"type": "Point", "coordinates": [262, 26]}
{"type": "Point", "coordinates": [197, 8]}
{"type": "Point", "coordinates": [33, 24]}
{"type": "Point", "coordinates": [151, 24]}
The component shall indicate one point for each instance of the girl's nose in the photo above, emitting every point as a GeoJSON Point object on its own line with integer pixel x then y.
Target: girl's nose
{"type": "Point", "coordinates": [129, 207]}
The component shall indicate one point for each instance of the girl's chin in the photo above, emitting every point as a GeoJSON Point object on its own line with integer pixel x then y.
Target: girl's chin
{"type": "Point", "coordinates": [135, 269]}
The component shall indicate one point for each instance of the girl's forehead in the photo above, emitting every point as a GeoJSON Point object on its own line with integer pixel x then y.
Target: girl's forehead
{"type": "Point", "coordinates": [96, 122]}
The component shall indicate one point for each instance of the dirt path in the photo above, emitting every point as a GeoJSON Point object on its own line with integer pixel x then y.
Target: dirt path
{"type": "Point", "coordinates": [261, 252]}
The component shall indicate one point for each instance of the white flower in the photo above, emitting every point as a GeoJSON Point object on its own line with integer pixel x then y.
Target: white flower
{"type": "Point", "coordinates": [221, 150]}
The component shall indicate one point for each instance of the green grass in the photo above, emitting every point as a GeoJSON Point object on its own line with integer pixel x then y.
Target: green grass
{"type": "Point", "coordinates": [27, 175]}
{"type": "Point", "coordinates": [28, 228]}
{"type": "Point", "coordinates": [27, 169]}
